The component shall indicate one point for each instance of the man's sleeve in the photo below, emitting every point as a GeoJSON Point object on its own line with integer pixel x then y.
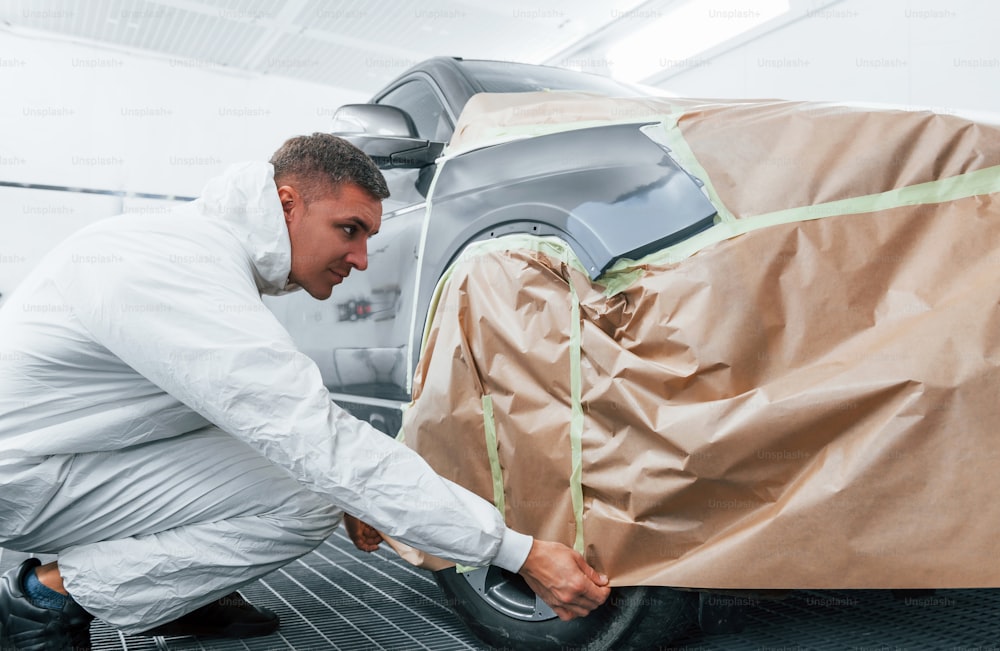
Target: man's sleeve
{"type": "Point", "coordinates": [201, 333]}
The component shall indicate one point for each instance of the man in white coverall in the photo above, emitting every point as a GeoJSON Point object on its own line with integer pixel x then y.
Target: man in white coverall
{"type": "Point", "coordinates": [162, 435]}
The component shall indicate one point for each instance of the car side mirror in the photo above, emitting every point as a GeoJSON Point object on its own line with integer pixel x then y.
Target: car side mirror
{"type": "Point", "coordinates": [387, 134]}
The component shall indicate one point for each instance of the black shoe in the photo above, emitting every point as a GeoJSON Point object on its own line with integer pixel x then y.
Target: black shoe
{"type": "Point", "coordinates": [231, 616]}
{"type": "Point", "coordinates": [27, 627]}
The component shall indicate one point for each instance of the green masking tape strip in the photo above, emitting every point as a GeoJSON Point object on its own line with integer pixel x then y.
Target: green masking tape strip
{"type": "Point", "coordinates": [970, 184]}
{"type": "Point", "coordinates": [436, 296]}
{"type": "Point", "coordinates": [681, 152]}
{"type": "Point", "coordinates": [576, 418]}
{"type": "Point", "coordinates": [548, 245]}
{"type": "Point", "coordinates": [432, 307]}
{"type": "Point", "coordinates": [617, 282]}
{"type": "Point", "coordinates": [984, 181]}
{"type": "Point", "coordinates": [493, 452]}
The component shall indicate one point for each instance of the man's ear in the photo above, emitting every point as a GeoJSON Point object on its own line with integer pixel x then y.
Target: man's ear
{"type": "Point", "coordinates": [291, 202]}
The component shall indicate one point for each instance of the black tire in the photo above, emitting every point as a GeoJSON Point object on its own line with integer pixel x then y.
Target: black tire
{"type": "Point", "coordinates": [632, 619]}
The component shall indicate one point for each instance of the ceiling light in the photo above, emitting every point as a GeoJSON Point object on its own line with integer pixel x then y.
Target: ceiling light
{"type": "Point", "coordinates": [674, 39]}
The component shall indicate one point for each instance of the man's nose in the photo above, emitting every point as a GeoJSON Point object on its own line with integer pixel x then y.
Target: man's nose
{"type": "Point", "coordinates": [359, 256]}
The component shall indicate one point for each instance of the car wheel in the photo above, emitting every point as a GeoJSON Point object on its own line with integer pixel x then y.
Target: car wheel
{"type": "Point", "coordinates": [502, 611]}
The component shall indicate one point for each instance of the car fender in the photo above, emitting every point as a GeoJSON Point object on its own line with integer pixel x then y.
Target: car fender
{"type": "Point", "coordinates": [610, 192]}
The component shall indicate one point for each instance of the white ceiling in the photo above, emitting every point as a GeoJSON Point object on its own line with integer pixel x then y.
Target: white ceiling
{"type": "Point", "coordinates": [349, 44]}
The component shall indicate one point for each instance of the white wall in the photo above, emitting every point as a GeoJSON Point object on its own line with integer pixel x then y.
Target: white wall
{"type": "Point", "coordinates": [922, 53]}
{"type": "Point", "coordinates": [76, 115]}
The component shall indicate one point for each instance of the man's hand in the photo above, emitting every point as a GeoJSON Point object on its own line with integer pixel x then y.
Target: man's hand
{"type": "Point", "coordinates": [364, 536]}
{"type": "Point", "coordinates": [564, 580]}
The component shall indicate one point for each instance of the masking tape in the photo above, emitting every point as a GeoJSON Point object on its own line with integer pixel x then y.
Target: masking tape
{"type": "Point", "coordinates": [493, 452]}
{"type": "Point", "coordinates": [979, 182]}
{"type": "Point", "coordinates": [576, 417]}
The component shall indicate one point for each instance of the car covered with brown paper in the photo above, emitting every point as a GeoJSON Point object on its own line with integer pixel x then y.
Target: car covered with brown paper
{"type": "Point", "coordinates": [712, 344]}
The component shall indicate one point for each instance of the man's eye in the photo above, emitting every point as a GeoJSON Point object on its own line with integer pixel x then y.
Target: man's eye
{"type": "Point", "coordinates": [350, 230]}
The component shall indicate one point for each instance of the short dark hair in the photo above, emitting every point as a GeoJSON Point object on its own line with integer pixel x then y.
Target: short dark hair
{"type": "Point", "coordinates": [321, 163]}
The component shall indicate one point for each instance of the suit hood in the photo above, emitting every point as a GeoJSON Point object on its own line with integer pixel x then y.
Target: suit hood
{"type": "Point", "coordinates": [246, 199]}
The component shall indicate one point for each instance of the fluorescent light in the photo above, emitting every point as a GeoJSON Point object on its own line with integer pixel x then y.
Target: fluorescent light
{"type": "Point", "coordinates": [674, 39]}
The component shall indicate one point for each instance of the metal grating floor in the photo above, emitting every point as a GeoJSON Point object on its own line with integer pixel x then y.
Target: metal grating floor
{"type": "Point", "coordinates": [340, 598]}
{"type": "Point", "coordinates": [334, 598]}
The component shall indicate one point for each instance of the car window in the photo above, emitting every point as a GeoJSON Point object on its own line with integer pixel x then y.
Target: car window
{"type": "Point", "coordinates": [419, 100]}
{"type": "Point", "coordinates": [511, 77]}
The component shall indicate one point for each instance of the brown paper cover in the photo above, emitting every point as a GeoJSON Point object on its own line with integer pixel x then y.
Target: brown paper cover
{"type": "Point", "coordinates": [807, 405]}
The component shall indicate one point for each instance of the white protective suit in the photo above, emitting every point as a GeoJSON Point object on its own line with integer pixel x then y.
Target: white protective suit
{"type": "Point", "coordinates": [160, 432]}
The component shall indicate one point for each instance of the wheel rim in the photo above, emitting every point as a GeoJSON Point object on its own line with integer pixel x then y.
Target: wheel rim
{"type": "Point", "coordinates": [508, 593]}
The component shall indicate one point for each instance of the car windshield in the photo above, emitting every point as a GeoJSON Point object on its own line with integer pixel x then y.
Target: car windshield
{"type": "Point", "coordinates": [510, 77]}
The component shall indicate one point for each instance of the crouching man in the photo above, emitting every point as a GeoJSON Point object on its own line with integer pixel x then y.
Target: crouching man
{"type": "Point", "coordinates": [161, 433]}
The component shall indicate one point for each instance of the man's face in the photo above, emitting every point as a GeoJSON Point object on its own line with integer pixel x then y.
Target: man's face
{"type": "Point", "coordinates": [329, 236]}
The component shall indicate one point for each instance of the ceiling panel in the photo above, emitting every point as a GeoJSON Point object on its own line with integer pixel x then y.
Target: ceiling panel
{"type": "Point", "coordinates": [348, 43]}
{"type": "Point", "coordinates": [321, 61]}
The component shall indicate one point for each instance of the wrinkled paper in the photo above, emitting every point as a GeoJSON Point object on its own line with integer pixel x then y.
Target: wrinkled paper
{"type": "Point", "coordinates": [810, 404]}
